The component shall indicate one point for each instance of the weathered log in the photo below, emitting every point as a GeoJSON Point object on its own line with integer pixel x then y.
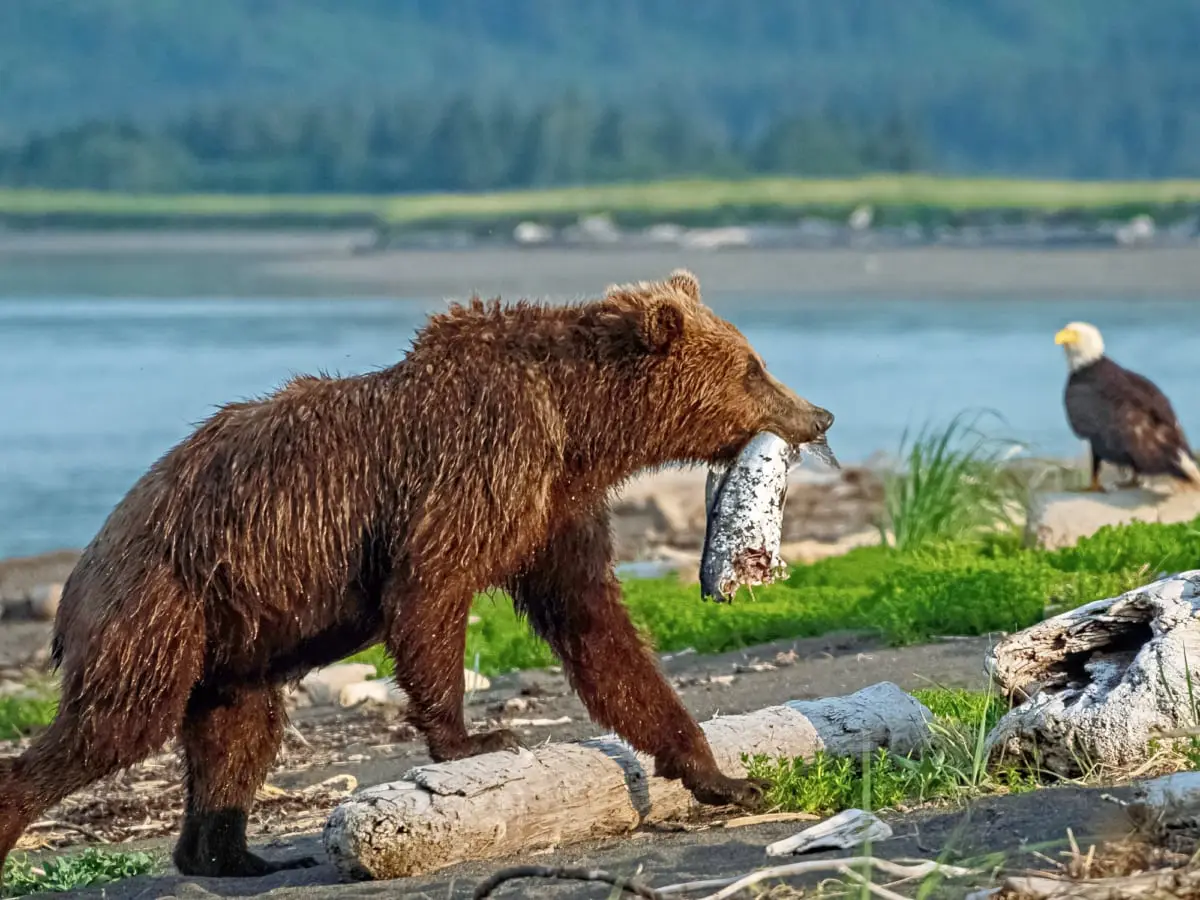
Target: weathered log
{"type": "Point", "coordinates": [1095, 684]}
{"type": "Point", "coordinates": [502, 803]}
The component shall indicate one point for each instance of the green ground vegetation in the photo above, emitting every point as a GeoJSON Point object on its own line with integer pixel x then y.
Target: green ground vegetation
{"type": "Point", "coordinates": [953, 562]}
{"type": "Point", "coordinates": [952, 768]}
{"type": "Point", "coordinates": [946, 588]}
{"type": "Point", "coordinates": [24, 875]}
{"type": "Point", "coordinates": [898, 198]}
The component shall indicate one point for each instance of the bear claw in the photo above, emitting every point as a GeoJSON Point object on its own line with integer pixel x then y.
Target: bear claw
{"type": "Point", "coordinates": [720, 790]}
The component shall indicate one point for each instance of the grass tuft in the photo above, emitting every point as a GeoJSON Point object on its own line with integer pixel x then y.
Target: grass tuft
{"type": "Point", "coordinates": [953, 768]}
{"type": "Point", "coordinates": [69, 873]}
{"type": "Point", "coordinates": [952, 485]}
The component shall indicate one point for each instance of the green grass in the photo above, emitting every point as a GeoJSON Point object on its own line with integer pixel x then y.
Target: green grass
{"type": "Point", "coordinates": [952, 768]}
{"type": "Point", "coordinates": [916, 195]}
{"type": "Point", "coordinates": [22, 715]}
{"type": "Point", "coordinates": [949, 588]}
{"type": "Point", "coordinates": [67, 873]}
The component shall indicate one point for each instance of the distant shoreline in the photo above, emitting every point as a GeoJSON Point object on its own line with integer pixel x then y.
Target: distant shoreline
{"type": "Point", "coordinates": [296, 262]}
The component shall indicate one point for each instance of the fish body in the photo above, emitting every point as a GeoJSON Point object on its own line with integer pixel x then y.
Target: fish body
{"type": "Point", "coordinates": [744, 515]}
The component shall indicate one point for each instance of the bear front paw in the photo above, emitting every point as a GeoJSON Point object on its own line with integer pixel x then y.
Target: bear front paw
{"type": "Point", "coordinates": [719, 790]}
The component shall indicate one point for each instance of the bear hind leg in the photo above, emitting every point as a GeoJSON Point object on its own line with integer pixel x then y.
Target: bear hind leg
{"type": "Point", "coordinates": [109, 682]}
{"type": "Point", "coordinates": [230, 741]}
{"type": "Point", "coordinates": [427, 639]}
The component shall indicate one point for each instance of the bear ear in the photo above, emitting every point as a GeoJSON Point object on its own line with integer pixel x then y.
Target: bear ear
{"type": "Point", "coordinates": [685, 282]}
{"type": "Point", "coordinates": [662, 325]}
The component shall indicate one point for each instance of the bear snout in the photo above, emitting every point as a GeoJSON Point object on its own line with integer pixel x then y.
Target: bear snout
{"type": "Point", "coordinates": [823, 418]}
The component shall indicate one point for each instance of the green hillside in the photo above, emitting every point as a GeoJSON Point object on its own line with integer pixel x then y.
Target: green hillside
{"type": "Point", "coordinates": [1074, 88]}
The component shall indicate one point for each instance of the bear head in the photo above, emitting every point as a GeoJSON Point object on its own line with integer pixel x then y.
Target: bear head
{"type": "Point", "coordinates": [706, 389]}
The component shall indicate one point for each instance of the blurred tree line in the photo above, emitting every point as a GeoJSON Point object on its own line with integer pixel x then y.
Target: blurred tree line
{"type": "Point", "coordinates": [302, 94]}
{"type": "Point", "coordinates": [461, 145]}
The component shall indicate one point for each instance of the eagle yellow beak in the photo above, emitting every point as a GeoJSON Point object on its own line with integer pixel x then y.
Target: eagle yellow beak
{"type": "Point", "coordinates": [1066, 336]}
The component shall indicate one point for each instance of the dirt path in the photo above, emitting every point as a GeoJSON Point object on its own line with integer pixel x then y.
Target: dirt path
{"type": "Point", "coordinates": [141, 807]}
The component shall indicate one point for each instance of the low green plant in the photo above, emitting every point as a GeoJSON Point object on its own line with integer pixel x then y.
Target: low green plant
{"type": "Point", "coordinates": [922, 598]}
{"type": "Point", "coordinates": [951, 484]}
{"type": "Point", "coordinates": [20, 716]}
{"type": "Point", "coordinates": [68, 873]}
{"type": "Point", "coordinates": [953, 767]}
{"type": "Point", "coordinates": [1149, 546]}
{"type": "Point", "coordinates": [670, 615]}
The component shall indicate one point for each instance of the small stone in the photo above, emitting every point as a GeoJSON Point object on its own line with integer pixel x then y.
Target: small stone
{"type": "Point", "coordinates": [516, 704]}
{"type": "Point", "coordinates": [44, 600]}
{"type": "Point", "coordinates": [475, 681]}
{"type": "Point", "coordinates": [323, 686]}
{"type": "Point", "coordinates": [383, 691]}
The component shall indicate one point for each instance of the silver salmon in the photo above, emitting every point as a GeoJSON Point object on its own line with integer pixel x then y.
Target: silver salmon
{"type": "Point", "coordinates": [744, 515]}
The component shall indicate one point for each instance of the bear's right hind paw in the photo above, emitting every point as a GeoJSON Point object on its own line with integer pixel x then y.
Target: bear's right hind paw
{"type": "Point", "coordinates": [495, 741]}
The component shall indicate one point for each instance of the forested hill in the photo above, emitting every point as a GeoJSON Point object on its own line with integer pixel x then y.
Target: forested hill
{"type": "Point", "coordinates": [1065, 87]}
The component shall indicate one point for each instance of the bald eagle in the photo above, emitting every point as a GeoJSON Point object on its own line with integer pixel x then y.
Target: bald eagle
{"type": "Point", "coordinates": [1125, 418]}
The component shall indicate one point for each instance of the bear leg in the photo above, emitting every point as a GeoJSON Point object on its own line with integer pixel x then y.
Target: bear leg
{"type": "Point", "coordinates": [230, 738]}
{"type": "Point", "coordinates": [124, 690]}
{"type": "Point", "coordinates": [572, 598]}
{"type": "Point", "coordinates": [427, 639]}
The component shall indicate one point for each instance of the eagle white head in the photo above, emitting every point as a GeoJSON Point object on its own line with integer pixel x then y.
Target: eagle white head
{"type": "Point", "coordinates": [1082, 344]}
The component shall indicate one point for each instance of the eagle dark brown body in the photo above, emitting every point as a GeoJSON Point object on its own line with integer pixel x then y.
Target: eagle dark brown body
{"type": "Point", "coordinates": [1125, 418]}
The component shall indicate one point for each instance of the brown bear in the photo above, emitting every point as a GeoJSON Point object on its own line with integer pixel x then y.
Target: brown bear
{"type": "Point", "coordinates": [290, 531]}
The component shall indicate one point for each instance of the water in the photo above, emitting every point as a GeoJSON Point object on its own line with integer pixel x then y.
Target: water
{"type": "Point", "coordinates": [92, 391]}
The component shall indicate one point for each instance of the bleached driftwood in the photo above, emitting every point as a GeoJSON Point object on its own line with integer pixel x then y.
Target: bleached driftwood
{"type": "Point", "coordinates": [1163, 804]}
{"type": "Point", "coordinates": [1095, 684]}
{"type": "Point", "coordinates": [849, 828]}
{"type": "Point", "coordinates": [502, 803]}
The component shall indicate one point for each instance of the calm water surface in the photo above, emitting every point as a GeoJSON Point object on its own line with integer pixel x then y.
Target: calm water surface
{"type": "Point", "coordinates": [92, 391]}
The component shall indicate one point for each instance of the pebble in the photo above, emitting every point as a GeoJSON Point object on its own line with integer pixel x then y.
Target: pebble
{"type": "Point", "coordinates": [44, 600]}
{"type": "Point", "coordinates": [381, 690]}
{"type": "Point", "coordinates": [516, 704]}
{"type": "Point", "coordinates": [323, 686]}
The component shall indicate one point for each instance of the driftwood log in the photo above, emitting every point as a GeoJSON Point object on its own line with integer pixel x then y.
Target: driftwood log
{"type": "Point", "coordinates": [1094, 685]}
{"type": "Point", "coordinates": [503, 803]}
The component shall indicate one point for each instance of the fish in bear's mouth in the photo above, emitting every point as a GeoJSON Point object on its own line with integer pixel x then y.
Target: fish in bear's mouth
{"type": "Point", "coordinates": [744, 514]}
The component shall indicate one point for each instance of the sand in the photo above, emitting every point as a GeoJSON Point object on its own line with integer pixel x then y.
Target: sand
{"type": "Point", "coordinates": [910, 272]}
{"type": "Point", "coordinates": [336, 259]}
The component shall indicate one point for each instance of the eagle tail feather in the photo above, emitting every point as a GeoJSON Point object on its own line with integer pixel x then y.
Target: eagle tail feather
{"type": "Point", "coordinates": [1187, 465]}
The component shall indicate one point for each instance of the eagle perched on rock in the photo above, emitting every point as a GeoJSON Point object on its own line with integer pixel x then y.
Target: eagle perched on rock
{"type": "Point", "coordinates": [1125, 418]}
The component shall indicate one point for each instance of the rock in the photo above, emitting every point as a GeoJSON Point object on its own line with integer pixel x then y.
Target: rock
{"type": "Point", "coordinates": [10, 688]}
{"type": "Point", "coordinates": [1095, 684]}
{"type": "Point", "coordinates": [475, 681]}
{"type": "Point", "coordinates": [381, 690]}
{"type": "Point", "coordinates": [1061, 519]}
{"type": "Point", "coordinates": [324, 686]}
{"type": "Point", "coordinates": [804, 552]}
{"type": "Point", "coordinates": [44, 600]}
